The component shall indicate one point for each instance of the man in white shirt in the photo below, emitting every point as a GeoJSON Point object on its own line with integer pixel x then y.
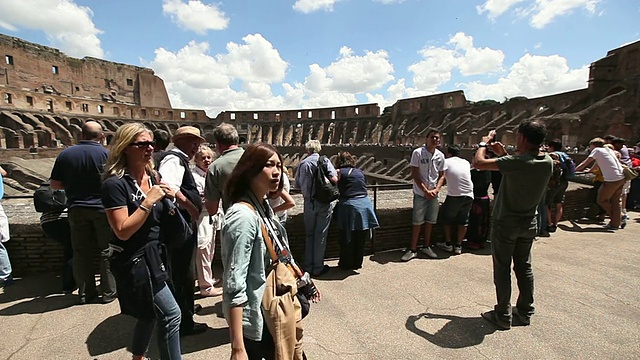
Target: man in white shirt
{"type": "Point", "coordinates": [456, 207]}
{"type": "Point", "coordinates": [611, 190]}
{"type": "Point", "coordinates": [427, 169]}
{"type": "Point", "coordinates": [176, 172]}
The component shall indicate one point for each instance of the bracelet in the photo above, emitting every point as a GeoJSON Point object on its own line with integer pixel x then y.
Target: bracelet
{"type": "Point", "coordinates": [145, 209]}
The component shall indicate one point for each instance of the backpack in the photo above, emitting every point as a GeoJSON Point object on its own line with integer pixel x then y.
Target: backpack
{"type": "Point", "coordinates": [568, 165]}
{"type": "Point", "coordinates": [46, 199]}
{"type": "Point", "coordinates": [556, 175]}
{"type": "Point", "coordinates": [323, 190]}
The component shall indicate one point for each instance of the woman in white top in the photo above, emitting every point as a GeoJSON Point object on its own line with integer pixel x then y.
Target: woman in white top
{"type": "Point", "coordinates": [281, 201]}
{"type": "Point", "coordinates": [207, 227]}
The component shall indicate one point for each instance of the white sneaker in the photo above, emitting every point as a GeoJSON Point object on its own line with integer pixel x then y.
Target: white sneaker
{"type": "Point", "coordinates": [429, 252]}
{"type": "Point", "coordinates": [408, 255]}
{"type": "Point", "coordinates": [444, 246]}
{"type": "Point", "coordinates": [457, 250]}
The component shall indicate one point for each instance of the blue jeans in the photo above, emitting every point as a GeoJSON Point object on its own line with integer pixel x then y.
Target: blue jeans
{"type": "Point", "coordinates": [5, 264]}
{"type": "Point", "coordinates": [168, 317]}
{"type": "Point", "coordinates": [317, 218]}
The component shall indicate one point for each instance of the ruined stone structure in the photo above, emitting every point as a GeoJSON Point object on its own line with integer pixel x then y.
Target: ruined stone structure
{"type": "Point", "coordinates": [45, 96]}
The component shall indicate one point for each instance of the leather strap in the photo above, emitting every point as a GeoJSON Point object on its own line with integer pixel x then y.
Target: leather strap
{"type": "Point", "coordinates": [267, 240]}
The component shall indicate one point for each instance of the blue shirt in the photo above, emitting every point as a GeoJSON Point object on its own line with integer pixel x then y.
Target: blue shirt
{"type": "Point", "coordinates": [80, 168]}
{"type": "Point", "coordinates": [245, 258]}
{"type": "Point", "coordinates": [304, 175]}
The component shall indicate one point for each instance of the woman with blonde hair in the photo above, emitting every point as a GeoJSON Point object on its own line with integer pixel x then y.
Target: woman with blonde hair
{"type": "Point", "coordinates": [208, 224]}
{"type": "Point", "coordinates": [132, 196]}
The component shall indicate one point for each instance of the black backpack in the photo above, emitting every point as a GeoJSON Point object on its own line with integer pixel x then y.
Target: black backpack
{"type": "Point", "coordinates": [324, 190]}
{"type": "Point", "coordinates": [46, 199]}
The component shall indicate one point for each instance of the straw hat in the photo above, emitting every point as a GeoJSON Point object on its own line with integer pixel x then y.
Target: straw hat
{"type": "Point", "coordinates": [185, 131]}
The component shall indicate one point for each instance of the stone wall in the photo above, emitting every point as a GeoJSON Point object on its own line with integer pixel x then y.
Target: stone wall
{"type": "Point", "coordinates": [31, 252]}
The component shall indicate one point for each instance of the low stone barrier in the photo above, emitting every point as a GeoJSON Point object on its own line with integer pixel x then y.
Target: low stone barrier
{"type": "Point", "coordinates": [32, 252]}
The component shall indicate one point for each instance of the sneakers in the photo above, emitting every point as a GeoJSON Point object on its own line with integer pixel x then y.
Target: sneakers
{"type": "Point", "coordinates": [457, 250]}
{"type": "Point", "coordinates": [446, 246]}
{"type": "Point", "coordinates": [611, 227]}
{"type": "Point", "coordinates": [552, 228]}
{"type": "Point", "coordinates": [623, 224]}
{"type": "Point", "coordinates": [410, 254]}
{"type": "Point", "coordinates": [492, 317]}
{"type": "Point", "coordinates": [427, 250]}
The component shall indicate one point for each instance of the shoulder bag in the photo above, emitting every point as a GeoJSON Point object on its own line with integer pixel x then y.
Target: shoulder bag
{"type": "Point", "coordinates": [174, 228]}
{"type": "Point", "coordinates": [280, 303]}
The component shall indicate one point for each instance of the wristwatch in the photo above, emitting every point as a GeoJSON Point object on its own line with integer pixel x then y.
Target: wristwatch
{"type": "Point", "coordinates": [482, 144]}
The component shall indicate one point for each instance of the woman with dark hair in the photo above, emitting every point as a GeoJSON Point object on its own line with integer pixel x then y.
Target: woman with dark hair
{"type": "Point", "coordinates": [245, 254]}
{"type": "Point", "coordinates": [355, 213]}
{"type": "Point", "coordinates": [132, 199]}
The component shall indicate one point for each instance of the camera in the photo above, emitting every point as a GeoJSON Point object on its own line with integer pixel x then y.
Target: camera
{"type": "Point", "coordinates": [306, 286]}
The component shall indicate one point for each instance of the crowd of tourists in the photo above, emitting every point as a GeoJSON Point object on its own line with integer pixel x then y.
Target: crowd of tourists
{"type": "Point", "coordinates": [154, 214]}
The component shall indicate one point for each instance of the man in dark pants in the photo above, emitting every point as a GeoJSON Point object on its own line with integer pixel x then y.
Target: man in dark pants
{"type": "Point", "coordinates": [175, 171]}
{"type": "Point", "coordinates": [78, 170]}
{"type": "Point", "coordinates": [524, 182]}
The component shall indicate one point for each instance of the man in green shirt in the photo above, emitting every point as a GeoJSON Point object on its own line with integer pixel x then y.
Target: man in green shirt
{"type": "Point", "coordinates": [524, 180]}
{"type": "Point", "coordinates": [226, 140]}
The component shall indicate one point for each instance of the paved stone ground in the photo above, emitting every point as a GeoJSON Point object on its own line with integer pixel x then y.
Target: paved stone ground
{"type": "Point", "coordinates": [587, 298]}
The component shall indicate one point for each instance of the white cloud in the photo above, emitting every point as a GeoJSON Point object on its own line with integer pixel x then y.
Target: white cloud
{"type": "Point", "coordinates": [435, 69]}
{"type": "Point", "coordinates": [68, 26]}
{"type": "Point", "coordinates": [196, 16]}
{"type": "Point", "coordinates": [351, 73]}
{"type": "Point", "coordinates": [495, 8]}
{"type": "Point", "coordinates": [257, 60]}
{"type": "Point", "coordinates": [541, 12]}
{"type": "Point", "coordinates": [531, 76]}
{"type": "Point", "coordinates": [545, 11]}
{"type": "Point", "coordinates": [309, 6]}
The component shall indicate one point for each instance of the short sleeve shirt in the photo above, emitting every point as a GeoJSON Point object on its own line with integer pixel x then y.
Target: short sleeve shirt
{"type": "Point", "coordinates": [457, 171]}
{"type": "Point", "coordinates": [218, 174]}
{"type": "Point", "coordinates": [608, 163]}
{"type": "Point", "coordinates": [80, 169]}
{"type": "Point", "coordinates": [429, 166]}
{"type": "Point", "coordinates": [123, 192]}
{"type": "Point", "coordinates": [524, 181]}
{"type": "Point", "coordinates": [304, 174]}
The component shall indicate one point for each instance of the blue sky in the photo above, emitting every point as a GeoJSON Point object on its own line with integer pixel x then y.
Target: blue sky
{"type": "Point", "coordinates": [285, 54]}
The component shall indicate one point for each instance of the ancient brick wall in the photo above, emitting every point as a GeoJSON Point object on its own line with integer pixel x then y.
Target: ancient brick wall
{"type": "Point", "coordinates": [31, 252]}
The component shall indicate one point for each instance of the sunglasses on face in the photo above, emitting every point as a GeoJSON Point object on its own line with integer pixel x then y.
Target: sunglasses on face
{"type": "Point", "coordinates": [143, 144]}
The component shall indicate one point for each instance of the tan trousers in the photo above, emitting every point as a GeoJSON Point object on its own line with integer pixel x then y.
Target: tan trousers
{"type": "Point", "coordinates": [609, 199]}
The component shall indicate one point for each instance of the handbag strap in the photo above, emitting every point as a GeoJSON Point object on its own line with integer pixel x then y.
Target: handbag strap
{"type": "Point", "coordinates": [297, 272]}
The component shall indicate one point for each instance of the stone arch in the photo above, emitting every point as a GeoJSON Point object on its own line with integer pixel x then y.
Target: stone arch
{"type": "Point", "coordinates": [61, 133]}
{"type": "Point", "coordinates": [76, 121]}
{"type": "Point", "coordinates": [108, 124]}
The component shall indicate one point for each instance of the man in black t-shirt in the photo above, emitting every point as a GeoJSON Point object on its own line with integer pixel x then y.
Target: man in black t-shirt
{"type": "Point", "coordinates": [78, 170]}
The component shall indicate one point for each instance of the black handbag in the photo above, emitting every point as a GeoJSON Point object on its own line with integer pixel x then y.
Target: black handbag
{"type": "Point", "coordinates": [174, 228]}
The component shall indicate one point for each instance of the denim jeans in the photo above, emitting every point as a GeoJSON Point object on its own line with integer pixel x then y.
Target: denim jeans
{"type": "Point", "coordinates": [168, 317]}
{"type": "Point", "coordinates": [5, 264]}
{"type": "Point", "coordinates": [317, 218]}
{"type": "Point", "coordinates": [509, 243]}
{"type": "Point", "coordinates": [90, 229]}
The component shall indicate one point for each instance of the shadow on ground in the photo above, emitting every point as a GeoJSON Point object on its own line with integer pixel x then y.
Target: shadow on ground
{"type": "Point", "coordinates": [575, 227]}
{"type": "Point", "coordinates": [116, 332]}
{"type": "Point", "coordinates": [458, 332]}
{"type": "Point", "coordinates": [32, 287]}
